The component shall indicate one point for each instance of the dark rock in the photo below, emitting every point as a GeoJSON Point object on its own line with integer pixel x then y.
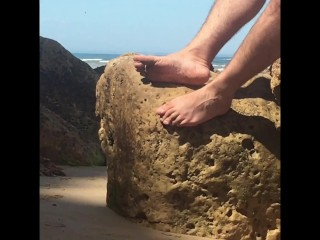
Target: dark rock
{"type": "Point", "coordinates": [68, 124]}
{"type": "Point", "coordinates": [48, 168]}
{"type": "Point", "coordinates": [99, 70]}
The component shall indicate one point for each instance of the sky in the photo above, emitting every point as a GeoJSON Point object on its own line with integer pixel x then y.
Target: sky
{"type": "Point", "coordinates": [120, 26]}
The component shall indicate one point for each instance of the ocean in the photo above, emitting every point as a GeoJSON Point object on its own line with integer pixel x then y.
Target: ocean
{"type": "Point", "coordinates": [96, 60]}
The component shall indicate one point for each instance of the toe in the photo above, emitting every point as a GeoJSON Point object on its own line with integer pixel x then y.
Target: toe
{"type": "Point", "coordinates": [183, 123]}
{"type": "Point", "coordinates": [138, 65]}
{"type": "Point", "coordinates": [143, 73]}
{"type": "Point", "coordinates": [137, 57]}
{"type": "Point", "coordinates": [169, 116]}
{"type": "Point", "coordinates": [177, 121]}
{"type": "Point", "coordinates": [148, 60]}
{"type": "Point", "coordinates": [188, 123]}
{"type": "Point", "coordinates": [170, 119]}
{"type": "Point", "coordinates": [163, 109]}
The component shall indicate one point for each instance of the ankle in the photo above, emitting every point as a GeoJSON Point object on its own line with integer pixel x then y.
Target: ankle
{"type": "Point", "coordinates": [196, 55]}
{"type": "Point", "coordinates": [222, 88]}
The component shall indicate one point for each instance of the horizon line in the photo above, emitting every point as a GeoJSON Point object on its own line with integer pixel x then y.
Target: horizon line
{"type": "Point", "coordinates": [155, 53]}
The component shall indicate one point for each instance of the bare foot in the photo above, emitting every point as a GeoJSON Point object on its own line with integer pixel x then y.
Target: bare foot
{"type": "Point", "coordinates": [196, 107]}
{"type": "Point", "coordinates": [176, 68]}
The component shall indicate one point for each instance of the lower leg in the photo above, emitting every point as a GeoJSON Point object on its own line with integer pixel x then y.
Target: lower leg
{"type": "Point", "coordinates": [191, 65]}
{"type": "Point", "coordinates": [260, 48]}
{"type": "Point", "coordinates": [226, 17]}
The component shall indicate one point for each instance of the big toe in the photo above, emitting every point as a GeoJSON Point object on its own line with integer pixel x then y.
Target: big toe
{"type": "Point", "coordinates": [163, 109]}
{"type": "Point", "coordinates": [148, 60]}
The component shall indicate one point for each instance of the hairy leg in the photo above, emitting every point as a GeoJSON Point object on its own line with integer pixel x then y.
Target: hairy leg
{"type": "Point", "coordinates": [191, 65]}
{"type": "Point", "coordinates": [260, 48]}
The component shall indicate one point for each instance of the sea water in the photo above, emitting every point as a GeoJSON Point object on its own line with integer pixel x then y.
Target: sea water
{"type": "Point", "coordinates": [95, 60]}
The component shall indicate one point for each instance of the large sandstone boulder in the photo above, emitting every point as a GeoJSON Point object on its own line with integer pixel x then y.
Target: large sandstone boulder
{"type": "Point", "coordinates": [68, 125]}
{"type": "Point", "coordinates": [219, 179]}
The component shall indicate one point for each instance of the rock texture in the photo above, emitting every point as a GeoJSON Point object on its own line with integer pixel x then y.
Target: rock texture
{"type": "Point", "coordinates": [48, 168]}
{"type": "Point", "coordinates": [68, 125]}
{"type": "Point", "coordinates": [219, 179]}
{"type": "Point", "coordinates": [275, 72]}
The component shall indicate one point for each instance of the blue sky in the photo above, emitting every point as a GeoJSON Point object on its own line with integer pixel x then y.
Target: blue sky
{"type": "Point", "coordinates": [120, 26]}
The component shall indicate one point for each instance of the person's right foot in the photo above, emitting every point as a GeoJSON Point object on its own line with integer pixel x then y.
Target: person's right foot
{"type": "Point", "coordinates": [175, 68]}
{"type": "Point", "coordinates": [196, 107]}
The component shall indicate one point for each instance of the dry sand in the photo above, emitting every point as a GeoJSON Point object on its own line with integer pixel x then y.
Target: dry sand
{"type": "Point", "coordinates": [74, 208]}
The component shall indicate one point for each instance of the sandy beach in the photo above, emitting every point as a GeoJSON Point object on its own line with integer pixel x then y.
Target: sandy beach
{"type": "Point", "coordinates": [73, 207]}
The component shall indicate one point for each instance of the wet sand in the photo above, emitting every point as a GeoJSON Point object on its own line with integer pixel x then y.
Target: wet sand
{"type": "Point", "coordinates": [74, 208]}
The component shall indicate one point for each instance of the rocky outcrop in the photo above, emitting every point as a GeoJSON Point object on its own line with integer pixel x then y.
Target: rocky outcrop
{"type": "Point", "coordinates": [68, 125]}
{"type": "Point", "coordinates": [219, 179]}
{"type": "Point", "coordinates": [99, 70]}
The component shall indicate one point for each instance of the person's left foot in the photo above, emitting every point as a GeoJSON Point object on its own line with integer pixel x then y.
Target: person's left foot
{"type": "Point", "coordinates": [196, 107]}
{"type": "Point", "coordinates": [182, 68]}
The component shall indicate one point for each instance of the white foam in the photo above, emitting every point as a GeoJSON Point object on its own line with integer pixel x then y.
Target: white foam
{"type": "Point", "coordinates": [104, 61]}
{"type": "Point", "coordinates": [91, 59]}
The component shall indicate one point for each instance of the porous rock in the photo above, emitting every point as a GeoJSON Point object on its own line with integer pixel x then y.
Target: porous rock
{"type": "Point", "coordinates": [219, 179]}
